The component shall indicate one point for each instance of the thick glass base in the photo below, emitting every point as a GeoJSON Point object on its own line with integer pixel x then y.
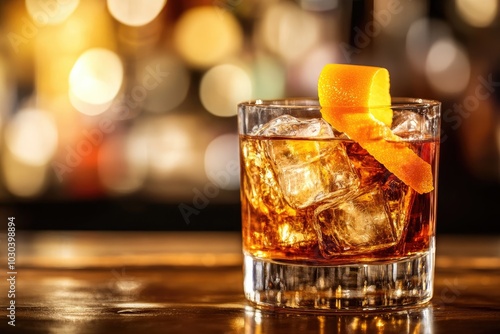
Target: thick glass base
{"type": "Point", "coordinates": [365, 287]}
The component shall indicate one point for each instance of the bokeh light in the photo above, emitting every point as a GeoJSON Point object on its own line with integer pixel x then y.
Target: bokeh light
{"type": "Point", "coordinates": [7, 91]}
{"type": "Point", "coordinates": [319, 5]}
{"type": "Point", "coordinates": [31, 136]}
{"type": "Point", "coordinates": [88, 108]}
{"type": "Point", "coordinates": [206, 35]}
{"type": "Point", "coordinates": [223, 87]}
{"type": "Point", "coordinates": [477, 13]}
{"type": "Point", "coordinates": [122, 164]}
{"type": "Point", "coordinates": [394, 17]}
{"type": "Point", "coordinates": [165, 81]}
{"type": "Point", "coordinates": [165, 146]}
{"type": "Point", "coordinates": [50, 12]}
{"type": "Point", "coordinates": [221, 162]}
{"type": "Point", "coordinates": [135, 12]}
{"type": "Point", "coordinates": [420, 37]}
{"type": "Point", "coordinates": [268, 78]}
{"type": "Point", "coordinates": [306, 72]}
{"type": "Point", "coordinates": [289, 31]}
{"type": "Point", "coordinates": [169, 149]}
{"type": "Point", "coordinates": [447, 67]}
{"type": "Point", "coordinates": [22, 179]}
{"type": "Point", "coordinates": [95, 79]}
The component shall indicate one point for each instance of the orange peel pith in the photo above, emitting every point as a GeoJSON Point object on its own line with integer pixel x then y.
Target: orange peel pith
{"type": "Point", "coordinates": [355, 100]}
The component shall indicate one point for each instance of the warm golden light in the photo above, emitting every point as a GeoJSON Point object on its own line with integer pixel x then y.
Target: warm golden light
{"type": "Point", "coordinates": [289, 31]}
{"type": "Point", "coordinates": [6, 90]}
{"type": "Point", "coordinates": [135, 12]}
{"type": "Point", "coordinates": [57, 48]}
{"type": "Point", "coordinates": [22, 179]}
{"type": "Point", "coordinates": [222, 162]}
{"type": "Point", "coordinates": [170, 149]}
{"type": "Point", "coordinates": [207, 35]}
{"type": "Point", "coordinates": [392, 18]}
{"type": "Point", "coordinates": [31, 136]}
{"type": "Point", "coordinates": [306, 73]}
{"type": "Point", "coordinates": [163, 145]}
{"type": "Point", "coordinates": [477, 13]}
{"type": "Point", "coordinates": [319, 5]}
{"type": "Point", "coordinates": [421, 35]}
{"type": "Point", "coordinates": [224, 86]}
{"type": "Point", "coordinates": [121, 164]}
{"type": "Point", "coordinates": [288, 235]}
{"type": "Point", "coordinates": [269, 77]}
{"type": "Point", "coordinates": [447, 67]}
{"type": "Point", "coordinates": [163, 83]}
{"type": "Point", "coordinates": [53, 12]}
{"type": "Point", "coordinates": [88, 108]}
{"type": "Point", "coordinates": [95, 78]}
{"type": "Point", "coordinates": [441, 55]}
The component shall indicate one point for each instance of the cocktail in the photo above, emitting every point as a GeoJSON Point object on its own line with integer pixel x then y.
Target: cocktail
{"type": "Point", "coordinates": [339, 200]}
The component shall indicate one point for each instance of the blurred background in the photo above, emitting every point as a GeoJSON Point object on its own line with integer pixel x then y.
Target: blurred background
{"type": "Point", "coordinates": [120, 114]}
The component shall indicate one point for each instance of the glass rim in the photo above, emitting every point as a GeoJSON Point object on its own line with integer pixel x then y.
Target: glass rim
{"type": "Point", "coordinates": [313, 102]}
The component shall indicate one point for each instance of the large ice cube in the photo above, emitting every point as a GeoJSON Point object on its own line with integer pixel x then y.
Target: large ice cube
{"type": "Point", "coordinates": [354, 225]}
{"type": "Point", "coordinates": [410, 125]}
{"type": "Point", "coordinates": [398, 200]}
{"type": "Point", "coordinates": [268, 218]}
{"type": "Point", "coordinates": [308, 171]}
{"type": "Point", "coordinates": [260, 186]}
{"type": "Point", "coordinates": [287, 125]}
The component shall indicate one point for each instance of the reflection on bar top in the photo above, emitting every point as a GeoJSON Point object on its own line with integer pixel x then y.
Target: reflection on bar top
{"type": "Point", "coordinates": [84, 249]}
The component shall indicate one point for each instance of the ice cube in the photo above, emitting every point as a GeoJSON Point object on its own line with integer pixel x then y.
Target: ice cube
{"type": "Point", "coordinates": [287, 125]}
{"type": "Point", "coordinates": [398, 199]}
{"type": "Point", "coordinates": [263, 190]}
{"type": "Point", "coordinates": [408, 124]}
{"type": "Point", "coordinates": [308, 170]}
{"type": "Point", "coordinates": [358, 223]}
{"type": "Point", "coordinates": [266, 213]}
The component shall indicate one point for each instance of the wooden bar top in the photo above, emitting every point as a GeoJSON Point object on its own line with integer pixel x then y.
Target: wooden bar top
{"type": "Point", "coordinates": [191, 282]}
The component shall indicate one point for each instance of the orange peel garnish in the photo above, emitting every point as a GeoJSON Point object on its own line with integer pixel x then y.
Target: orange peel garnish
{"type": "Point", "coordinates": [355, 100]}
{"type": "Point", "coordinates": [357, 86]}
